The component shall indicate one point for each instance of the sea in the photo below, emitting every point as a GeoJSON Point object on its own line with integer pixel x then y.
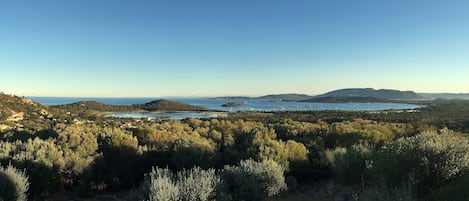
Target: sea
{"type": "Point", "coordinates": [256, 105]}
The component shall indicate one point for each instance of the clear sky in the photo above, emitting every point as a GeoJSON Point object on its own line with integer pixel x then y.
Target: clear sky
{"type": "Point", "coordinates": [153, 48]}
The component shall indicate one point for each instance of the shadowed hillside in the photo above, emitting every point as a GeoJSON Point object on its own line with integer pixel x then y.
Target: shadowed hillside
{"type": "Point", "coordinates": [346, 99]}
{"type": "Point", "coordinates": [380, 94]}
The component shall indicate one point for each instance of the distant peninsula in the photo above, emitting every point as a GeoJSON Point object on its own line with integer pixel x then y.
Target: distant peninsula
{"type": "Point", "coordinates": [153, 106]}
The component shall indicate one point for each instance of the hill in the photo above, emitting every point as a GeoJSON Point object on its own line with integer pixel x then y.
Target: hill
{"type": "Point", "coordinates": [167, 105]}
{"type": "Point", "coordinates": [20, 114]}
{"type": "Point", "coordinates": [156, 105]}
{"type": "Point", "coordinates": [286, 97]}
{"type": "Point", "coordinates": [387, 94]}
{"type": "Point", "coordinates": [345, 99]}
{"type": "Point", "coordinates": [83, 106]}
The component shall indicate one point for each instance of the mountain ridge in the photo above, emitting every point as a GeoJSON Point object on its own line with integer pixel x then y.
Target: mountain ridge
{"type": "Point", "coordinates": [346, 99]}
{"type": "Point", "coordinates": [387, 94]}
{"type": "Point", "coordinates": [342, 95]}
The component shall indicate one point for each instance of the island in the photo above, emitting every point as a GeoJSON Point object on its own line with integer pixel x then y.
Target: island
{"type": "Point", "coordinates": [232, 104]}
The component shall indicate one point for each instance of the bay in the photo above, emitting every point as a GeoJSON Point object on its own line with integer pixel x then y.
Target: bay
{"type": "Point", "coordinates": [257, 105]}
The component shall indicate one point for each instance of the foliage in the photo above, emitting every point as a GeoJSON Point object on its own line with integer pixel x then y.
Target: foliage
{"type": "Point", "coordinates": [238, 185]}
{"type": "Point", "coordinates": [424, 162]}
{"type": "Point", "coordinates": [430, 159]}
{"type": "Point", "coordinates": [13, 184]}
{"type": "Point", "coordinates": [380, 154]}
{"type": "Point", "coordinates": [268, 174]}
{"type": "Point", "coordinates": [349, 168]}
{"type": "Point", "coordinates": [453, 191]}
{"type": "Point", "coordinates": [383, 193]}
{"type": "Point", "coordinates": [79, 146]}
{"type": "Point", "coordinates": [162, 186]}
{"type": "Point", "coordinates": [195, 184]}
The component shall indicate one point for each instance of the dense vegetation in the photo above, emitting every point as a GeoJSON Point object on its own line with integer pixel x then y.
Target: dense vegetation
{"type": "Point", "coordinates": [232, 104]}
{"type": "Point", "coordinates": [246, 156]}
{"type": "Point", "coordinates": [157, 105]}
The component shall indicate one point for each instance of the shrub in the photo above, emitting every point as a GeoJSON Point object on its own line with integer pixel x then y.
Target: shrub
{"type": "Point", "coordinates": [268, 174]}
{"type": "Point", "coordinates": [13, 184]}
{"type": "Point", "coordinates": [162, 186]}
{"type": "Point", "coordinates": [238, 185]}
{"type": "Point", "coordinates": [197, 184]}
{"type": "Point", "coordinates": [425, 161]}
{"type": "Point", "coordinates": [350, 166]}
{"type": "Point", "coordinates": [430, 159]}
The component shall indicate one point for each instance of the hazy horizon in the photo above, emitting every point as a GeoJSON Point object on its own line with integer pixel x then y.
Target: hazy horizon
{"type": "Point", "coordinates": [214, 96]}
{"type": "Point", "coordinates": [207, 48]}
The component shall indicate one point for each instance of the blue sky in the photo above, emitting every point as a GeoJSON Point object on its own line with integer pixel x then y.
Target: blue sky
{"type": "Point", "coordinates": [151, 48]}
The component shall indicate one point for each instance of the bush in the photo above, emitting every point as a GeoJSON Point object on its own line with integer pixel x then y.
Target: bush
{"type": "Point", "coordinates": [350, 166]}
{"type": "Point", "coordinates": [13, 184]}
{"type": "Point", "coordinates": [430, 159]}
{"type": "Point", "coordinates": [195, 184]}
{"type": "Point", "coordinates": [426, 161]}
{"type": "Point", "coordinates": [268, 174]}
{"type": "Point", "coordinates": [162, 186]}
{"type": "Point", "coordinates": [238, 185]}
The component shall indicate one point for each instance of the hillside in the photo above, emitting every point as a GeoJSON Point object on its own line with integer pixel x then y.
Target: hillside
{"type": "Point", "coordinates": [345, 99]}
{"type": "Point", "coordinates": [286, 97]}
{"type": "Point", "coordinates": [21, 114]}
{"type": "Point", "coordinates": [167, 105]}
{"type": "Point", "coordinates": [83, 106]}
{"type": "Point", "coordinates": [388, 94]}
{"type": "Point", "coordinates": [157, 105]}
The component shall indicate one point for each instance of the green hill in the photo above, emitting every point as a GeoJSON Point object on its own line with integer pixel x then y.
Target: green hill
{"type": "Point", "coordinates": [156, 105]}
{"type": "Point", "coordinates": [22, 114]}
{"type": "Point", "coordinates": [83, 106]}
{"type": "Point", "coordinates": [167, 105]}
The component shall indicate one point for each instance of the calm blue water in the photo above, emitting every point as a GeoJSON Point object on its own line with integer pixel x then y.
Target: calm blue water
{"type": "Point", "coordinates": [215, 104]}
